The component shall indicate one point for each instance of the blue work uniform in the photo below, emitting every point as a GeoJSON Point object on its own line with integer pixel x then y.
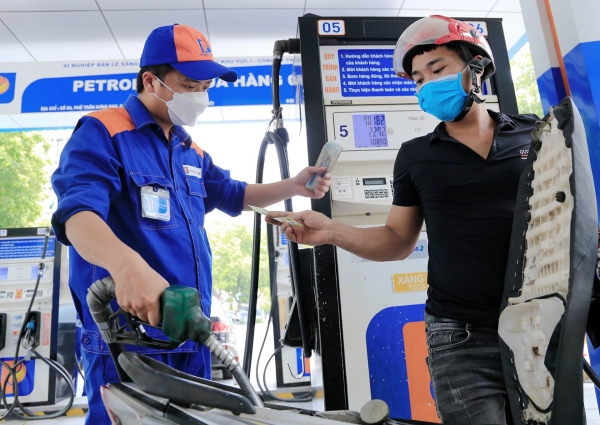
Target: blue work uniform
{"type": "Point", "coordinates": [115, 162]}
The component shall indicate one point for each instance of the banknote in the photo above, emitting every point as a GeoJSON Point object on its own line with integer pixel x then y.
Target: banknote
{"type": "Point", "coordinates": [287, 220]}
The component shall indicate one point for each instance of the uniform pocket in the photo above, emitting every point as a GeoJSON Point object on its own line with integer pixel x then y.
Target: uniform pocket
{"type": "Point", "coordinates": [157, 182]}
{"type": "Point", "coordinates": [197, 193]}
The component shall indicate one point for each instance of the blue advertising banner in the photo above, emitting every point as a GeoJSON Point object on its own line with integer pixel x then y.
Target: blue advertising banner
{"type": "Point", "coordinates": [78, 93]}
{"type": "Point", "coordinates": [254, 87]}
{"type": "Point", "coordinates": [82, 87]}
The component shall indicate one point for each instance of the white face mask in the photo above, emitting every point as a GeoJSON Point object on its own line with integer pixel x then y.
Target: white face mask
{"type": "Point", "coordinates": [185, 108]}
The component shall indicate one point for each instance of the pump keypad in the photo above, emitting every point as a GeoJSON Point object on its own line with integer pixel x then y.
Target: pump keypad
{"type": "Point", "coordinates": [376, 193]}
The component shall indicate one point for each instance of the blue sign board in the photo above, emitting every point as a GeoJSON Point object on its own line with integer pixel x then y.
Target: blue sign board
{"type": "Point", "coordinates": [370, 72]}
{"type": "Point", "coordinates": [253, 87]}
{"type": "Point", "coordinates": [93, 92]}
{"type": "Point", "coordinates": [82, 93]}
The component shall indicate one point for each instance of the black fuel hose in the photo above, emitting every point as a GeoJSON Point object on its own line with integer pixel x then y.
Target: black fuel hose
{"type": "Point", "coordinates": [280, 139]}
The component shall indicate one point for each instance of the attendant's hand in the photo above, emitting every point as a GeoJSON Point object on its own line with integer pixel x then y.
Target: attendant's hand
{"type": "Point", "coordinates": [139, 288]}
{"type": "Point", "coordinates": [322, 183]}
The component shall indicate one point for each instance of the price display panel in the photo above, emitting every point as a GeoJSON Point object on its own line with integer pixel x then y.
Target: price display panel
{"type": "Point", "coordinates": [369, 131]}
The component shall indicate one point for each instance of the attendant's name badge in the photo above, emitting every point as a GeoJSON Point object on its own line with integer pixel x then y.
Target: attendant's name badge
{"type": "Point", "coordinates": [155, 203]}
{"type": "Point", "coordinates": [190, 170]}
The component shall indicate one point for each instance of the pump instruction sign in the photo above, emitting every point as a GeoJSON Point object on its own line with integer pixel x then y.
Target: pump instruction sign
{"type": "Point", "coordinates": [368, 72]}
{"type": "Point", "coordinates": [25, 248]}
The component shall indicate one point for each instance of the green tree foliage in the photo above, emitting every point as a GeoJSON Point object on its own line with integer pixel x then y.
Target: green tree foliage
{"type": "Point", "coordinates": [231, 246]}
{"type": "Point", "coordinates": [528, 94]}
{"type": "Point", "coordinates": [23, 176]}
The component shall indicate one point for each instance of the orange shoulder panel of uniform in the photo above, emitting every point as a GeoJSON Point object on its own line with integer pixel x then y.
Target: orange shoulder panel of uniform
{"type": "Point", "coordinates": [116, 120]}
{"type": "Point", "coordinates": [197, 149]}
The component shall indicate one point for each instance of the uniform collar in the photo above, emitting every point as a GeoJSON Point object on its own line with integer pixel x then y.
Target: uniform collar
{"type": "Point", "coordinates": [139, 114]}
{"type": "Point", "coordinates": [141, 117]}
{"type": "Point", "coordinates": [440, 132]}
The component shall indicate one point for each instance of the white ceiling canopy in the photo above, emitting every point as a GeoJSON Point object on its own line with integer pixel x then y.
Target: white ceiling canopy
{"type": "Point", "coordinates": [73, 30]}
{"type": "Point", "coordinates": [86, 30]}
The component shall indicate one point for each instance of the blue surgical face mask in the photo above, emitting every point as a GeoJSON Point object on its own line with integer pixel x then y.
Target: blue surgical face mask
{"type": "Point", "coordinates": [444, 97]}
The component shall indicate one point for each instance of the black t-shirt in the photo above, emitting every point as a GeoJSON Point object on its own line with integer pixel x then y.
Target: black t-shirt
{"type": "Point", "coordinates": [468, 204]}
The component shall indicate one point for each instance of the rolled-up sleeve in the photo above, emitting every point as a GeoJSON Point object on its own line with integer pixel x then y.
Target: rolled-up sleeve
{"type": "Point", "coordinates": [223, 192]}
{"type": "Point", "coordinates": [87, 177]}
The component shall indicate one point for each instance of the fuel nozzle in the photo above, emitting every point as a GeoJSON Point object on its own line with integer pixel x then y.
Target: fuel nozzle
{"type": "Point", "coordinates": [182, 315]}
{"type": "Point", "coordinates": [183, 319]}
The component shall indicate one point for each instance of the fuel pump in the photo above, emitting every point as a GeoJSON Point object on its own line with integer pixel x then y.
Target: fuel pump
{"type": "Point", "coordinates": [29, 291]}
{"type": "Point", "coordinates": [370, 315]}
{"type": "Point", "coordinates": [20, 254]}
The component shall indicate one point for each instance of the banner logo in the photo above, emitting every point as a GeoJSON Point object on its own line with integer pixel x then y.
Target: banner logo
{"type": "Point", "coordinates": [7, 87]}
{"type": "Point", "coordinates": [396, 352]}
{"type": "Point", "coordinates": [25, 377]}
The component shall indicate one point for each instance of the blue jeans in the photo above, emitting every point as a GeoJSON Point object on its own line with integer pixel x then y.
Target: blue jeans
{"type": "Point", "coordinates": [466, 373]}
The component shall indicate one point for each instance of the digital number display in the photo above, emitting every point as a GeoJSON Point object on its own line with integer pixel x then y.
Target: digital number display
{"type": "Point", "coordinates": [370, 131]}
{"type": "Point", "coordinates": [374, 181]}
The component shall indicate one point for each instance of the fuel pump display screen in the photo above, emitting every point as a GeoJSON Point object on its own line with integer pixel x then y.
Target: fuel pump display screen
{"type": "Point", "coordinates": [374, 181]}
{"type": "Point", "coordinates": [370, 131]}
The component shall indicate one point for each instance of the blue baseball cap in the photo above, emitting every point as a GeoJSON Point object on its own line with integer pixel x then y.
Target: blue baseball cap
{"type": "Point", "coordinates": [185, 49]}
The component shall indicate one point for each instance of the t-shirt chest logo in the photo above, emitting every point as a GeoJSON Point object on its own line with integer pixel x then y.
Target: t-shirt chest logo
{"type": "Point", "coordinates": [524, 153]}
{"type": "Point", "coordinates": [190, 170]}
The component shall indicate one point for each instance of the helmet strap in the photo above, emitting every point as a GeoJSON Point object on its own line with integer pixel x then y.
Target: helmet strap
{"type": "Point", "coordinates": [468, 104]}
{"type": "Point", "coordinates": [476, 66]}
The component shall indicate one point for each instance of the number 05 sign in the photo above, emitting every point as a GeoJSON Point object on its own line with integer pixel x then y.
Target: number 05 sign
{"type": "Point", "coordinates": [331, 27]}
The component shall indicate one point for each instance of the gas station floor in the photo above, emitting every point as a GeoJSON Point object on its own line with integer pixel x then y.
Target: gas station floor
{"type": "Point", "coordinates": [591, 407]}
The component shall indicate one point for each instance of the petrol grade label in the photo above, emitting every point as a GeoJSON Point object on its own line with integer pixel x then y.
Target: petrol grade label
{"type": "Point", "coordinates": [410, 282]}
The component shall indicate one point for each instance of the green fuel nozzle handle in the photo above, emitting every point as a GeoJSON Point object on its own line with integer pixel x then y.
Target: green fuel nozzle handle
{"type": "Point", "coordinates": [183, 319]}
{"type": "Point", "coordinates": [182, 316]}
